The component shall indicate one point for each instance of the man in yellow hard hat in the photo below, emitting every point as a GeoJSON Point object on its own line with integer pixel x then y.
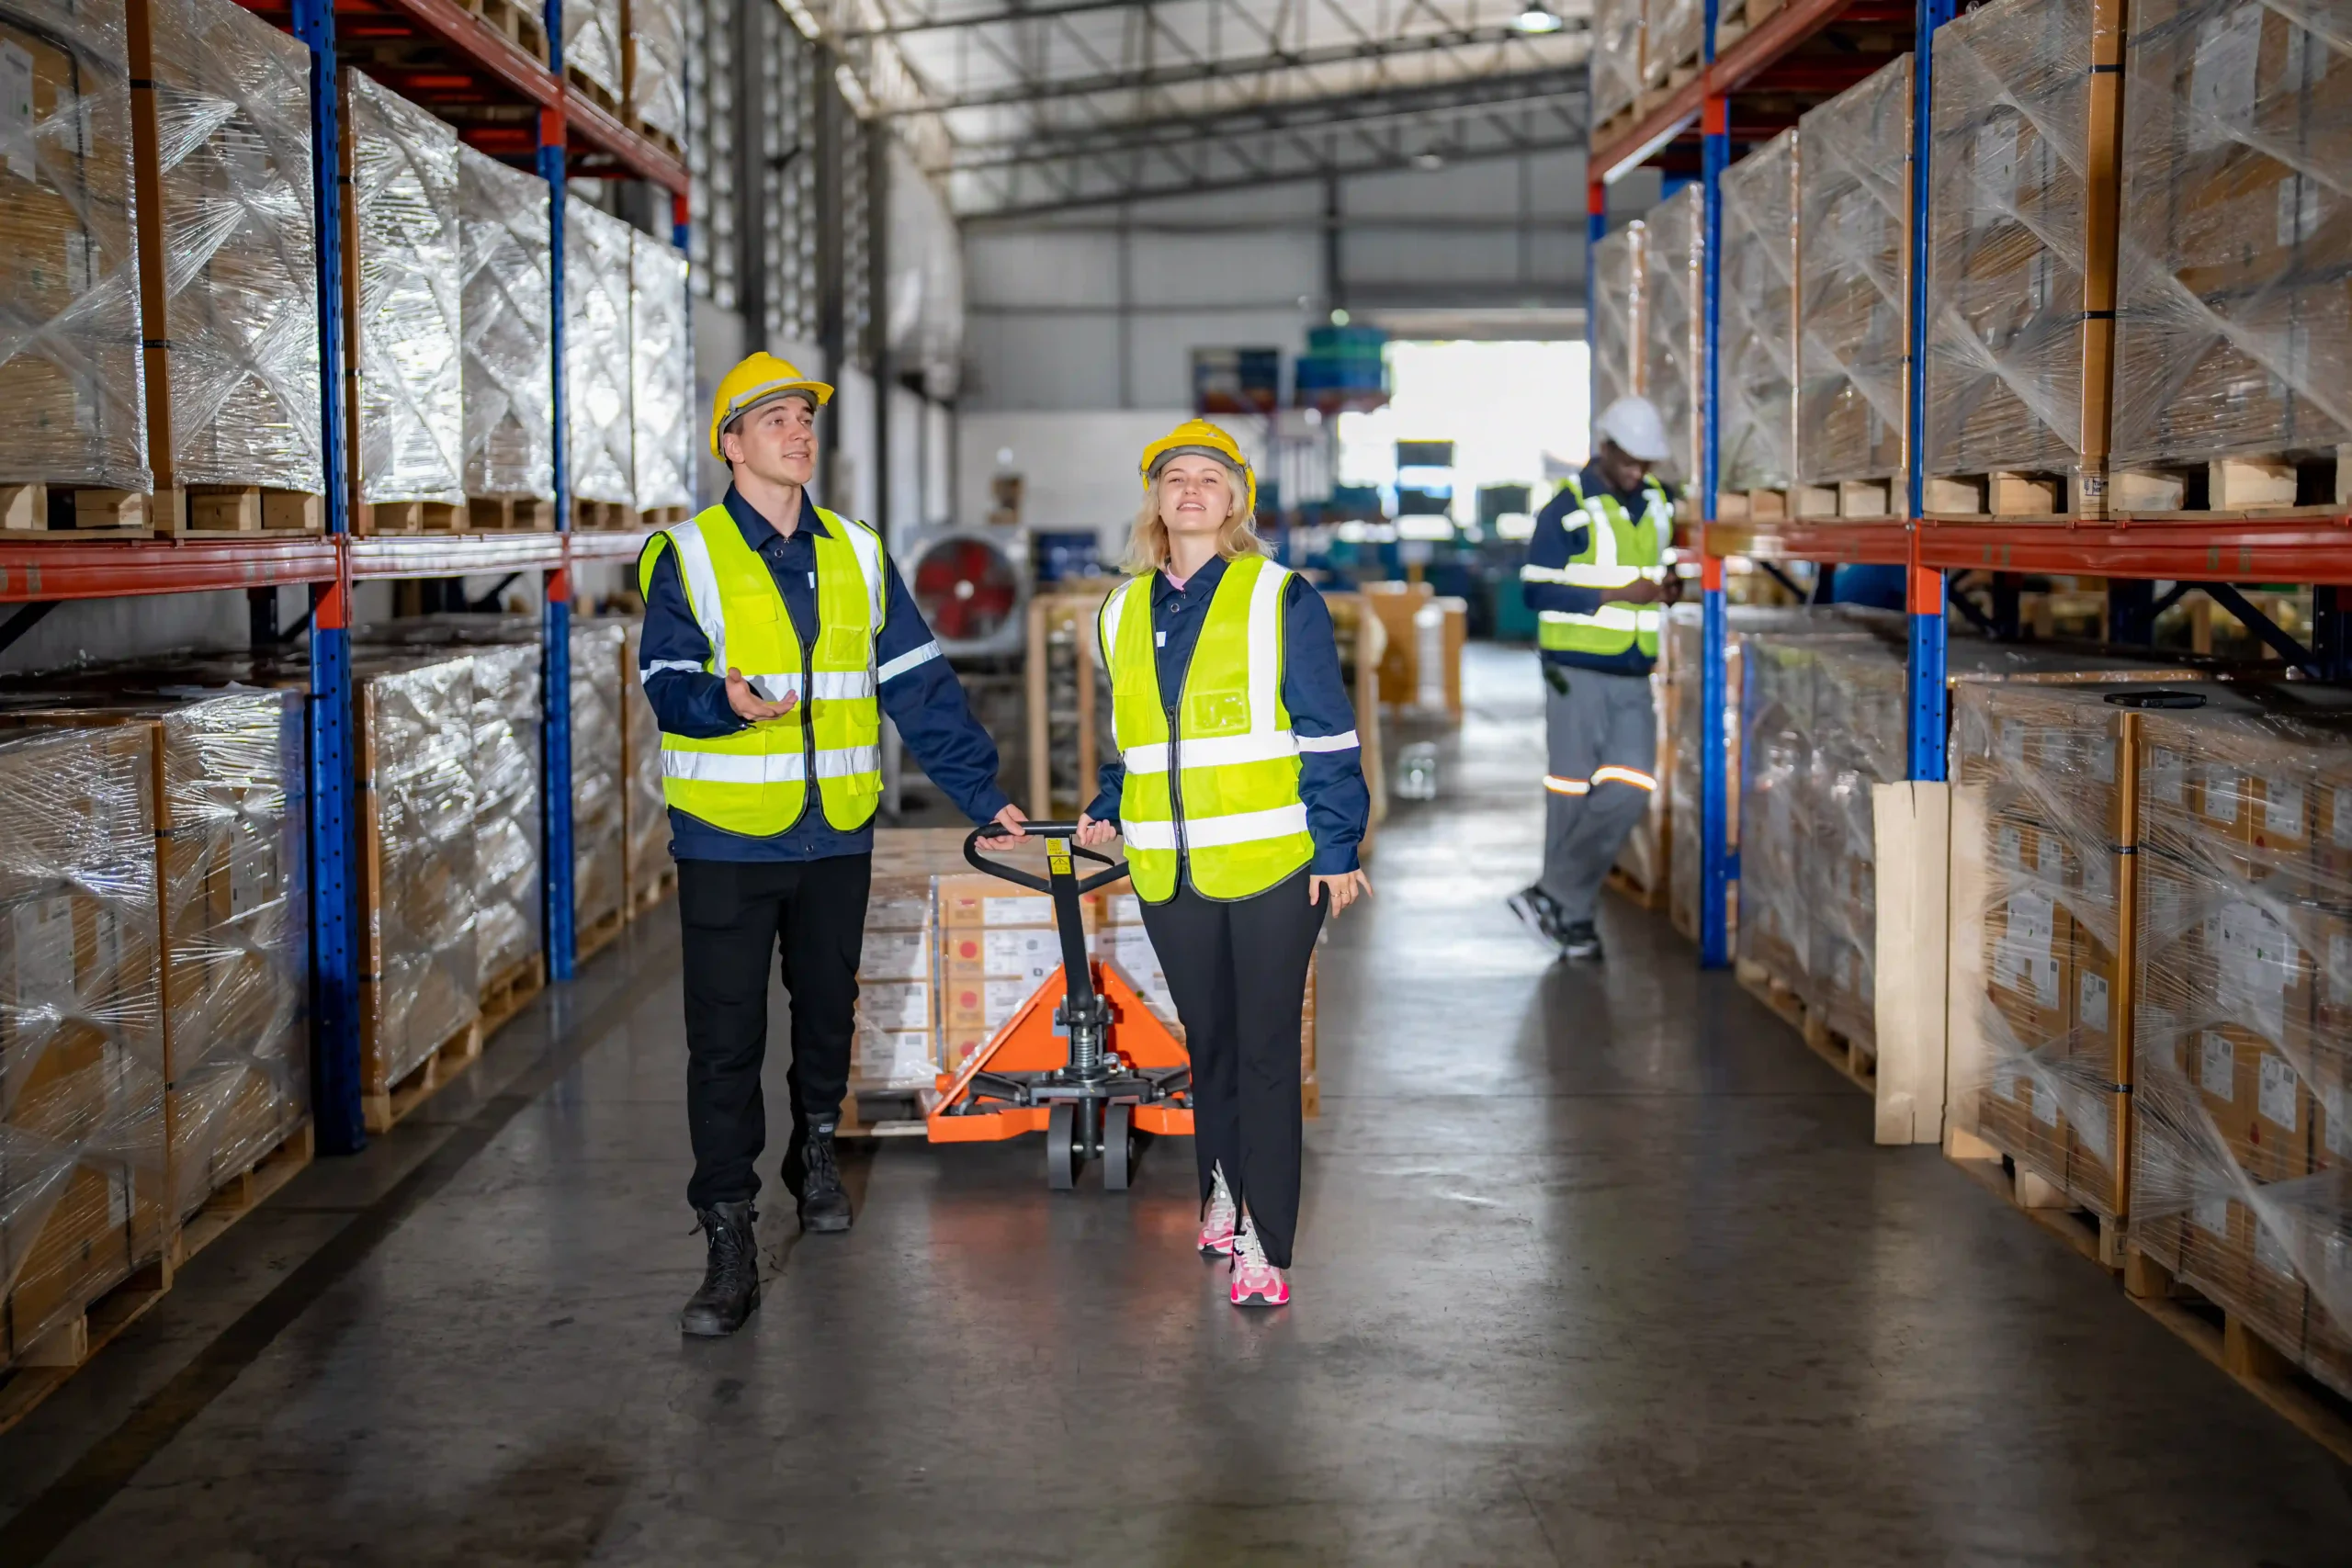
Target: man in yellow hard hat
{"type": "Point", "coordinates": [776, 636]}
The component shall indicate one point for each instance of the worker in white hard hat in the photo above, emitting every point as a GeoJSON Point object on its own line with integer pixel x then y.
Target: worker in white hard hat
{"type": "Point", "coordinates": [1596, 577]}
{"type": "Point", "coordinates": [777, 633]}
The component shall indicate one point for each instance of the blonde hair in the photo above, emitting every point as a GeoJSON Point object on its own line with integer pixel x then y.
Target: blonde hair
{"type": "Point", "coordinates": [1147, 541]}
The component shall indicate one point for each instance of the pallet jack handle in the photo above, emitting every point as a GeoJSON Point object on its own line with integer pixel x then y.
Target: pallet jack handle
{"type": "Point", "coordinates": [1061, 843]}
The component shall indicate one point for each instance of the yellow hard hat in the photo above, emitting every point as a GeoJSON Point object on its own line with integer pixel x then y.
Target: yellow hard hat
{"type": "Point", "coordinates": [761, 378]}
{"type": "Point", "coordinates": [1199, 437]}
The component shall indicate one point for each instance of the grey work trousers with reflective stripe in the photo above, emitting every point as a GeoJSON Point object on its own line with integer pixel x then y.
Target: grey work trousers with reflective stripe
{"type": "Point", "coordinates": [1601, 720]}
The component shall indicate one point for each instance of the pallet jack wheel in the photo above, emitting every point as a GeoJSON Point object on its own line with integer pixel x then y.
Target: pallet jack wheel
{"type": "Point", "coordinates": [1062, 1151]}
{"type": "Point", "coordinates": [1119, 1146]}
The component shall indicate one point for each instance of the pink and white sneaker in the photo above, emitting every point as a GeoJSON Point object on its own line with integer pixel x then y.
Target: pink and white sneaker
{"type": "Point", "coordinates": [1256, 1282]}
{"type": "Point", "coordinates": [1218, 1219]}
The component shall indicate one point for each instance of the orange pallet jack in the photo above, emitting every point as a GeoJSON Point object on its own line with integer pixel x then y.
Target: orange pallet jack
{"type": "Point", "coordinates": [1089, 1065]}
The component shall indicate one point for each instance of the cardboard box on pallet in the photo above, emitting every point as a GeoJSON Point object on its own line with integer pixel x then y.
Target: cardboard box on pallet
{"type": "Point", "coordinates": [598, 374]}
{"type": "Point", "coordinates": [1674, 352]}
{"type": "Point", "coordinates": [507, 316]}
{"type": "Point", "coordinates": [661, 377]}
{"type": "Point", "coordinates": [897, 1044]}
{"type": "Point", "coordinates": [82, 1112]}
{"type": "Point", "coordinates": [1757, 384]}
{"type": "Point", "coordinates": [1619, 322]}
{"type": "Point", "coordinates": [1853, 291]}
{"type": "Point", "coordinates": [599, 839]}
{"type": "Point", "coordinates": [73, 405]}
{"type": "Point", "coordinates": [2021, 274]}
{"type": "Point", "coordinates": [402, 298]}
{"type": "Point", "coordinates": [2239, 1072]}
{"type": "Point", "coordinates": [2231, 334]}
{"type": "Point", "coordinates": [227, 233]}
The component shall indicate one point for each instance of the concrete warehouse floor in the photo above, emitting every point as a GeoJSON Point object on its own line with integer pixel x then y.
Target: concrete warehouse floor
{"type": "Point", "coordinates": [1598, 1267]}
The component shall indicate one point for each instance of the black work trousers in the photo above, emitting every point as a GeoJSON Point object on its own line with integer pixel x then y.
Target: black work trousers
{"type": "Point", "coordinates": [1237, 971]}
{"type": "Point", "coordinates": [737, 917]}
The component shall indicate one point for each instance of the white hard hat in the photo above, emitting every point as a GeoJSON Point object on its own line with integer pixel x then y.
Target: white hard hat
{"type": "Point", "coordinates": [1633, 424]}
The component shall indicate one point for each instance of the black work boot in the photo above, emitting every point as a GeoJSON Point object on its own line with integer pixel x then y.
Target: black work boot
{"type": "Point", "coordinates": [1580, 941]}
{"type": "Point", "coordinates": [824, 1206]}
{"type": "Point", "coordinates": [730, 1281]}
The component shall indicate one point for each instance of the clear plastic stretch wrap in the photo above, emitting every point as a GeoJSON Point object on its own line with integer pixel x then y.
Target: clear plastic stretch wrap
{"type": "Point", "coordinates": [592, 42]}
{"type": "Point", "coordinates": [2233, 332]}
{"type": "Point", "coordinates": [508, 314]}
{"type": "Point", "coordinates": [599, 843]}
{"type": "Point", "coordinates": [645, 814]}
{"type": "Point", "coordinates": [1674, 329]}
{"type": "Point", "coordinates": [232, 105]}
{"type": "Point", "coordinates": [1616, 61]}
{"type": "Point", "coordinates": [663, 379]}
{"type": "Point", "coordinates": [2242, 1130]}
{"type": "Point", "coordinates": [1672, 31]}
{"type": "Point", "coordinates": [508, 918]}
{"type": "Point", "coordinates": [596, 357]}
{"type": "Point", "coordinates": [423, 984]}
{"type": "Point", "coordinates": [2042, 858]}
{"type": "Point", "coordinates": [2008, 216]}
{"type": "Point", "coordinates": [410, 444]}
{"type": "Point", "coordinates": [657, 65]}
{"type": "Point", "coordinates": [1758, 381]}
{"type": "Point", "coordinates": [1853, 280]}
{"type": "Point", "coordinates": [73, 402]}
{"type": "Point", "coordinates": [82, 1071]}
{"type": "Point", "coordinates": [1618, 322]}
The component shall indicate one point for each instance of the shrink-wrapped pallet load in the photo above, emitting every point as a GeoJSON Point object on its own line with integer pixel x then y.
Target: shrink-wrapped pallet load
{"type": "Point", "coordinates": [1670, 33]}
{"type": "Point", "coordinates": [1616, 60]}
{"type": "Point", "coordinates": [654, 68]}
{"type": "Point", "coordinates": [662, 381]}
{"type": "Point", "coordinates": [1674, 330]}
{"type": "Point", "coordinates": [598, 368]}
{"type": "Point", "coordinates": [1618, 324]}
{"type": "Point", "coordinates": [229, 283]}
{"type": "Point", "coordinates": [507, 315]}
{"type": "Point", "coordinates": [73, 402]}
{"type": "Point", "coordinates": [2233, 342]}
{"type": "Point", "coordinates": [1757, 384]}
{"type": "Point", "coordinates": [508, 916]}
{"type": "Point", "coordinates": [402, 301]}
{"type": "Point", "coordinates": [599, 839]}
{"type": "Point", "coordinates": [592, 32]}
{"type": "Point", "coordinates": [645, 814]}
{"type": "Point", "coordinates": [2020, 276]}
{"type": "Point", "coordinates": [1853, 297]}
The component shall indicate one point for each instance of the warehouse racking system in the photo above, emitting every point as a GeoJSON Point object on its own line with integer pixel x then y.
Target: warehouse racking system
{"type": "Point", "coordinates": [1745, 92]}
{"type": "Point", "coordinates": [508, 102]}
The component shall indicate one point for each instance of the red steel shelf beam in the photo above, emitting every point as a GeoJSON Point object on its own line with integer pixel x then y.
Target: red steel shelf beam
{"type": "Point", "coordinates": [2286, 549]}
{"type": "Point", "coordinates": [31, 571]}
{"type": "Point", "coordinates": [1752, 54]}
{"type": "Point", "coordinates": [1847, 544]}
{"type": "Point", "coordinates": [591, 126]}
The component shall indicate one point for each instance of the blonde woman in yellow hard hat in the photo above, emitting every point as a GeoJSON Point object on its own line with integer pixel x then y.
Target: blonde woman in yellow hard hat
{"type": "Point", "coordinates": [777, 633]}
{"type": "Point", "coordinates": [1239, 790]}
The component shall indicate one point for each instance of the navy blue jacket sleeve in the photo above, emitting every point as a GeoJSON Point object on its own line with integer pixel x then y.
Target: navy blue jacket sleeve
{"type": "Point", "coordinates": [923, 698]}
{"type": "Point", "coordinates": [1330, 769]}
{"type": "Point", "coordinates": [1549, 550]}
{"type": "Point", "coordinates": [672, 655]}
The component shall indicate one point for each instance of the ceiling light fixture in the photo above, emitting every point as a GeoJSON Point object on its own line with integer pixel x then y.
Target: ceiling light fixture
{"type": "Point", "coordinates": [1539, 19]}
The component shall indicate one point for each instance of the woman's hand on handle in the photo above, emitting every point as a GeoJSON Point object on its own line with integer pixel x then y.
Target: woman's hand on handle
{"type": "Point", "coordinates": [1010, 819]}
{"type": "Point", "coordinates": [1093, 835]}
{"type": "Point", "coordinates": [1342, 890]}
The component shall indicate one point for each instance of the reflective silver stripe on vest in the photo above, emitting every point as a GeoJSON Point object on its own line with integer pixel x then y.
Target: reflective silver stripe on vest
{"type": "Point", "coordinates": [1266, 652]}
{"type": "Point", "coordinates": [701, 579]}
{"type": "Point", "coordinates": [660, 666]}
{"type": "Point", "coordinates": [1218, 833]}
{"type": "Point", "coordinates": [849, 762]}
{"type": "Point", "coordinates": [732, 767]}
{"type": "Point", "coordinates": [1106, 632]}
{"type": "Point", "coordinates": [775, 688]}
{"type": "Point", "coordinates": [1344, 742]}
{"type": "Point", "coordinates": [842, 685]}
{"type": "Point", "coordinates": [913, 658]}
{"type": "Point", "coordinates": [868, 548]}
{"type": "Point", "coordinates": [1217, 751]}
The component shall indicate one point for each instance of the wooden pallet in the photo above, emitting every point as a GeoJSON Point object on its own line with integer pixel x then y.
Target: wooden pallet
{"type": "Point", "coordinates": [67, 1348]}
{"type": "Point", "coordinates": [242, 1193]}
{"type": "Point", "coordinates": [1675, 79]}
{"type": "Point", "coordinates": [1751, 505]}
{"type": "Point", "coordinates": [2011, 495]}
{"type": "Point", "coordinates": [1615, 126]}
{"type": "Point", "coordinates": [1733, 22]}
{"type": "Point", "coordinates": [2245, 485]}
{"type": "Point", "coordinates": [602, 516]}
{"type": "Point", "coordinates": [598, 934]}
{"type": "Point", "coordinates": [1851, 1057]}
{"type": "Point", "coordinates": [1626, 887]}
{"type": "Point", "coordinates": [384, 1112]}
{"type": "Point", "coordinates": [595, 91]}
{"type": "Point", "coordinates": [379, 517]}
{"type": "Point", "coordinates": [2238, 1348]}
{"type": "Point", "coordinates": [663, 517]}
{"type": "Point", "coordinates": [510, 515]}
{"type": "Point", "coordinates": [524, 28]}
{"type": "Point", "coordinates": [209, 511]}
{"type": "Point", "coordinates": [644, 900]}
{"type": "Point", "coordinates": [2044, 1203]}
{"type": "Point", "coordinates": [75, 514]}
{"type": "Point", "coordinates": [658, 137]}
{"type": "Point", "coordinates": [1857, 499]}
{"type": "Point", "coordinates": [512, 990]}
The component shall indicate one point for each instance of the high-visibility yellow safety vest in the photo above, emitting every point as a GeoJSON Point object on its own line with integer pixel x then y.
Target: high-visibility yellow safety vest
{"type": "Point", "coordinates": [1618, 550]}
{"type": "Point", "coordinates": [1234, 809]}
{"type": "Point", "coordinates": [756, 780]}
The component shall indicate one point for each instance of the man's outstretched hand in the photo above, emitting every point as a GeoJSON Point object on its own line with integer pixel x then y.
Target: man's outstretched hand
{"type": "Point", "coordinates": [750, 705]}
{"type": "Point", "coordinates": [1010, 819]}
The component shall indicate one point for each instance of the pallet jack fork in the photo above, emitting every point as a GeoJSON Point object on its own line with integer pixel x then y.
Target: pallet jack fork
{"type": "Point", "coordinates": [1089, 1065]}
